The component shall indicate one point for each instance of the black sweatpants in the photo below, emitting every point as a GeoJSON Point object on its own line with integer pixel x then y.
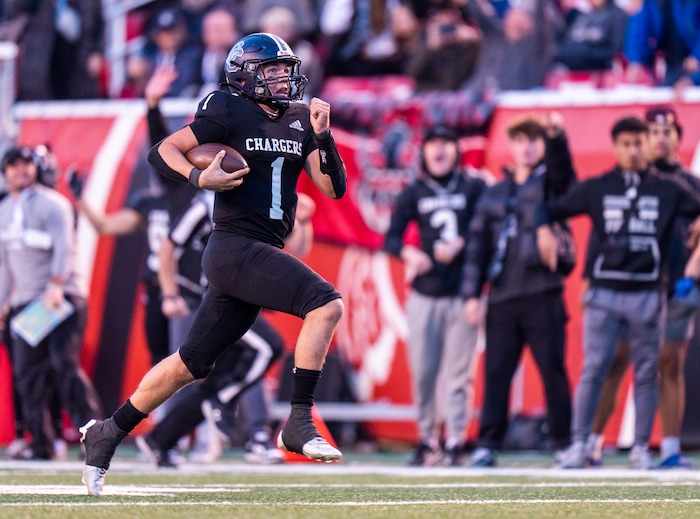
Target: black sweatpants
{"type": "Point", "coordinates": [538, 321]}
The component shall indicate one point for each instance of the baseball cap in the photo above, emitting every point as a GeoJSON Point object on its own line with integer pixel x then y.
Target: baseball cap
{"type": "Point", "coordinates": [16, 153]}
{"type": "Point", "coordinates": [169, 19]}
{"type": "Point", "coordinates": [663, 115]}
{"type": "Point", "coordinates": [440, 131]}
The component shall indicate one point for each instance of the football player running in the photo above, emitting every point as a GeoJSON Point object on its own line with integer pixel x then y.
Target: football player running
{"type": "Point", "coordinates": [244, 262]}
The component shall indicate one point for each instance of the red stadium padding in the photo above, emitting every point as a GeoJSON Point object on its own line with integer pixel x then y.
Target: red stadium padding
{"type": "Point", "coordinates": [7, 415]}
{"type": "Point", "coordinates": [349, 233]}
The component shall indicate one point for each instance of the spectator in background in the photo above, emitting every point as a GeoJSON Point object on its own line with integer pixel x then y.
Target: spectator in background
{"type": "Point", "coordinates": [47, 175]}
{"type": "Point", "coordinates": [517, 51]}
{"type": "Point", "coordinates": [150, 211]}
{"type": "Point", "coordinates": [282, 21]}
{"type": "Point", "coordinates": [306, 13]}
{"type": "Point", "coordinates": [592, 39]}
{"type": "Point", "coordinates": [38, 263]}
{"type": "Point", "coordinates": [632, 212]}
{"type": "Point", "coordinates": [195, 12]}
{"type": "Point", "coordinates": [668, 29]}
{"type": "Point", "coordinates": [407, 32]}
{"type": "Point", "coordinates": [177, 195]}
{"type": "Point", "coordinates": [682, 293]}
{"type": "Point", "coordinates": [219, 33]}
{"type": "Point", "coordinates": [168, 45]}
{"type": "Point", "coordinates": [145, 212]}
{"type": "Point", "coordinates": [525, 302]}
{"type": "Point", "coordinates": [359, 38]}
{"type": "Point", "coordinates": [447, 54]}
{"type": "Point", "coordinates": [441, 342]}
{"type": "Point", "coordinates": [61, 49]}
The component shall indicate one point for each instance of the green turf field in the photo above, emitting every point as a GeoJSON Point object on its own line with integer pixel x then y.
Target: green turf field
{"type": "Point", "coordinates": [366, 486]}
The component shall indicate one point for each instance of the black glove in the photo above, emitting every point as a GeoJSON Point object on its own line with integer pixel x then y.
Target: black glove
{"type": "Point", "coordinates": [75, 182]}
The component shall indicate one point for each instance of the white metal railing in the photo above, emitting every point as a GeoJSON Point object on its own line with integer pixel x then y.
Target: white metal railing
{"type": "Point", "coordinates": [117, 47]}
{"type": "Point", "coordinates": [8, 124]}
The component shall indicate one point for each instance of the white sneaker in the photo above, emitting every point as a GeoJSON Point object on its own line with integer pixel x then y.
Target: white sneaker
{"type": "Point", "coordinates": [573, 457]}
{"type": "Point", "coordinates": [640, 457]}
{"type": "Point", "coordinates": [15, 448]}
{"type": "Point", "coordinates": [262, 451]}
{"type": "Point", "coordinates": [60, 449]}
{"type": "Point", "coordinates": [207, 453]}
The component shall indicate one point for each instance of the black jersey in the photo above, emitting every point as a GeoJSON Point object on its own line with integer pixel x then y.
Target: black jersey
{"type": "Point", "coordinates": [190, 233]}
{"type": "Point", "coordinates": [263, 207]}
{"type": "Point", "coordinates": [442, 213]}
{"type": "Point", "coordinates": [151, 205]}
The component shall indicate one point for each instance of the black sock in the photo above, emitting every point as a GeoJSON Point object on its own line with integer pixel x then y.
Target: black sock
{"type": "Point", "coordinates": [127, 417]}
{"type": "Point", "coordinates": [305, 381]}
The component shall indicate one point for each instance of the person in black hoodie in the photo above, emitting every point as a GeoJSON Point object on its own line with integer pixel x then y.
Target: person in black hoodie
{"type": "Point", "coordinates": [632, 211]}
{"type": "Point", "coordinates": [665, 134]}
{"type": "Point", "coordinates": [441, 342]}
{"type": "Point", "coordinates": [525, 303]}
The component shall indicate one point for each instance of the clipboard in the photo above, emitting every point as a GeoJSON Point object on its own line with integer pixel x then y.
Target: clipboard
{"type": "Point", "coordinates": [37, 320]}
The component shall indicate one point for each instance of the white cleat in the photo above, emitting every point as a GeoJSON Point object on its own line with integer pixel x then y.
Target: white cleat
{"type": "Point", "coordinates": [315, 449]}
{"type": "Point", "coordinates": [94, 480]}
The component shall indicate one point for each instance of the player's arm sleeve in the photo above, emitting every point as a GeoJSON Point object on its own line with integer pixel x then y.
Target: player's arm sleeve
{"type": "Point", "coordinates": [157, 129]}
{"type": "Point", "coordinates": [332, 164]}
{"type": "Point", "coordinates": [155, 160]}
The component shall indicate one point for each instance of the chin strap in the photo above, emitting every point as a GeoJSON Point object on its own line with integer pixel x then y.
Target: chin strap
{"type": "Point", "coordinates": [332, 164]}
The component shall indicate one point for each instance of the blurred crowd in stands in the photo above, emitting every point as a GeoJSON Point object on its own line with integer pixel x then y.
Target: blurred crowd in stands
{"type": "Point", "coordinates": [438, 45]}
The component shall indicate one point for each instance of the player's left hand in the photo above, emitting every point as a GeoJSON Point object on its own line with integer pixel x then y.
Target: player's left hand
{"type": "Point", "coordinates": [320, 115]}
{"type": "Point", "coordinates": [216, 179]}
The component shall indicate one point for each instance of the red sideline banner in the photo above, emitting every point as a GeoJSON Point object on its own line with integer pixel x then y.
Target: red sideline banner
{"type": "Point", "coordinates": [108, 141]}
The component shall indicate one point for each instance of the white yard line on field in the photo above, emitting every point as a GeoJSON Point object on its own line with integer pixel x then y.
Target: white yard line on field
{"type": "Point", "coordinates": [169, 490]}
{"type": "Point", "coordinates": [316, 504]}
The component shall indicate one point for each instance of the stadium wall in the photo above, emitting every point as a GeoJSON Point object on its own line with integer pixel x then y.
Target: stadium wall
{"type": "Point", "coordinates": [108, 141]}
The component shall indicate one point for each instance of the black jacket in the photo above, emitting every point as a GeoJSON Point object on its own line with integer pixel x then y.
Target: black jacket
{"type": "Point", "coordinates": [522, 273]}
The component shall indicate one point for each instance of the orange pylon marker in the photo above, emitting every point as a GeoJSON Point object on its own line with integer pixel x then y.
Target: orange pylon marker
{"type": "Point", "coordinates": [290, 457]}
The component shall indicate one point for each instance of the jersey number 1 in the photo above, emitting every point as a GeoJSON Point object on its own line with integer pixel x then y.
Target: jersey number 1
{"type": "Point", "coordinates": [276, 187]}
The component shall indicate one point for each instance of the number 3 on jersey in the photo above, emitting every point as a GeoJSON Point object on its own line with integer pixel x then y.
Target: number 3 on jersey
{"type": "Point", "coordinates": [446, 220]}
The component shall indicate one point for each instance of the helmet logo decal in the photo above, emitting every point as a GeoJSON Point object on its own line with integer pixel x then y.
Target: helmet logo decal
{"type": "Point", "coordinates": [234, 54]}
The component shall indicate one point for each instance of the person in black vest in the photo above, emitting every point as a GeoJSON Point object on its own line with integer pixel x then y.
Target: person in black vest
{"type": "Point", "coordinates": [525, 302]}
